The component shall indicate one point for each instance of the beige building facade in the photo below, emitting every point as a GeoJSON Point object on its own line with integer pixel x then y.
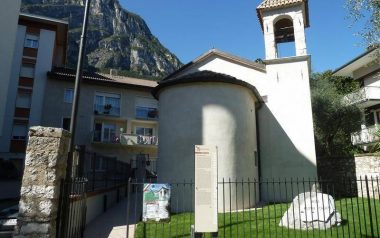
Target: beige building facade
{"type": "Point", "coordinates": [117, 116]}
{"type": "Point", "coordinates": [39, 44]}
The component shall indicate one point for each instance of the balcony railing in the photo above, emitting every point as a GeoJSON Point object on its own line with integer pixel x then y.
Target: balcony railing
{"type": "Point", "coordinates": [125, 139]}
{"type": "Point", "coordinates": [138, 140]}
{"type": "Point", "coordinates": [363, 95]}
{"type": "Point", "coordinates": [100, 109]}
{"type": "Point", "coordinates": [111, 139]}
{"type": "Point", "coordinates": [365, 136]}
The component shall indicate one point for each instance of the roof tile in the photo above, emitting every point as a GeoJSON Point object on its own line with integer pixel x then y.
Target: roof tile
{"type": "Point", "coordinates": [277, 3]}
{"type": "Point", "coordinates": [61, 73]}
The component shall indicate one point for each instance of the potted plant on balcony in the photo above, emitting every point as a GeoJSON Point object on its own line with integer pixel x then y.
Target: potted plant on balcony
{"type": "Point", "coordinates": [107, 108]}
{"type": "Point", "coordinates": [153, 113]}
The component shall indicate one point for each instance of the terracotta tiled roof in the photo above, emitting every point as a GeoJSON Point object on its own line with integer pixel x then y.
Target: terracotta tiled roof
{"type": "Point", "coordinates": [277, 3]}
{"type": "Point", "coordinates": [61, 73]}
{"type": "Point", "coordinates": [129, 80]}
{"type": "Point", "coordinates": [272, 4]}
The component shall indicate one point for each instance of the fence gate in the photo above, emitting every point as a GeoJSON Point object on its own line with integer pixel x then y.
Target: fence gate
{"type": "Point", "coordinates": [273, 208]}
{"type": "Point", "coordinates": [71, 219]}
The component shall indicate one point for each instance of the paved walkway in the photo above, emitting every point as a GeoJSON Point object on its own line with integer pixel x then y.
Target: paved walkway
{"type": "Point", "coordinates": [111, 224]}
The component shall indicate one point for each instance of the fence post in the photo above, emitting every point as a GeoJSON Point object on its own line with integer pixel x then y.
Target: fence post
{"type": "Point", "coordinates": [82, 154]}
{"type": "Point", "coordinates": [93, 171]}
{"type": "Point", "coordinates": [369, 206]}
{"type": "Point", "coordinates": [128, 204]}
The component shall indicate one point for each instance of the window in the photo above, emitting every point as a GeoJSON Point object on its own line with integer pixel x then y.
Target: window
{"type": "Point", "coordinates": [23, 100]}
{"type": "Point", "coordinates": [27, 70]}
{"type": "Point", "coordinates": [105, 132]}
{"type": "Point", "coordinates": [19, 132]}
{"type": "Point", "coordinates": [146, 113]}
{"type": "Point", "coordinates": [108, 104]}
{"type": "Point", "coordinates": [68, 95]}
{"type": "Point", "coordinates": [31, 41]}
{"type": "Point", "coordinates": [146, 108]}
{"type": "Point", "coordinates": [143, 131]}
{"type": "Point", "coordinates": [66, 123]}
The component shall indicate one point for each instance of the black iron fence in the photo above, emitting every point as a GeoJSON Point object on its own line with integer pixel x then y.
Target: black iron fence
{"type": "Point", "coordinates": [289, 207]}
{"type": "Point", "coordinates": [148, 163]}
{"type": "Point", "coordinates": [103, 171]}
{"type": "Point", "coordinates": [71, 219]}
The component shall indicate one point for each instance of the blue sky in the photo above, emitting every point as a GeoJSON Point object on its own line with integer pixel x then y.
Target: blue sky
{"type": "Point", "coordinates": [190, 28]}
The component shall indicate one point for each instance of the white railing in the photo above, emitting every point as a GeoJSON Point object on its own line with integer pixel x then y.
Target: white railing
{"type": "Point", "coordinates": [362, 95]}
{"type": "Point", "coordinates": [138, 140]}
{"type": "Point", "coordinates": [365, 136]}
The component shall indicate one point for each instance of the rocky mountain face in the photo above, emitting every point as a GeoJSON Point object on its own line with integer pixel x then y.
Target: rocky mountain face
{"type": "Point", "coordinates": [116, 39]}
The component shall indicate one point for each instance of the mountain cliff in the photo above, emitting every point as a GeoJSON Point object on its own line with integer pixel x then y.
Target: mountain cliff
{"type": "Point", "coordinates": [116, 39]}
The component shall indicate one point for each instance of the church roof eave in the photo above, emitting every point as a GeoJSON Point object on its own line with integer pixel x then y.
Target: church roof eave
{"type": "Point", "coordinates": [224, 55]}
{"type": "Point", "coordinates": [206, 77]}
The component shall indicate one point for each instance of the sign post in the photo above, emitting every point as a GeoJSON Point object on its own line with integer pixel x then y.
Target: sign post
{"type": "Point", "coordinates": [206, 196]}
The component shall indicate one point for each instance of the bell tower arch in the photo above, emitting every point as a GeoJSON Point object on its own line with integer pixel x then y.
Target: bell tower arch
{"type": "Point", "coordinates": [283, 22]}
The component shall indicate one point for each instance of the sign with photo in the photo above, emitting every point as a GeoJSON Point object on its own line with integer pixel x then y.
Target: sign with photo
{"type": "Point", "coordinates": [156, 200]}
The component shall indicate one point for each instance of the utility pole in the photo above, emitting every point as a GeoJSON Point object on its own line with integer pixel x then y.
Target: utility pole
{"type": "Point", "coordinates": [62, 228]}
{"type": "Point", "coordinates": [78, 79]}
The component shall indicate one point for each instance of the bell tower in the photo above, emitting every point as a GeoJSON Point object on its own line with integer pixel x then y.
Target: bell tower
{"type": "Point", "coordinates": [283, 21]}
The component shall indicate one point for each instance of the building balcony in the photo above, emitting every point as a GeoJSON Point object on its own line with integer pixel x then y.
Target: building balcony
{"type": "Point", "coordinates": [111, 138]}
{"type": "Point", "coordinates": [138, 140]}
{"type": "Point", "coordinates": [365, 136]}
{"type": "Point", "coordinates": [365, 97]}
{"type": "Point", "coordinates": [124, 139]}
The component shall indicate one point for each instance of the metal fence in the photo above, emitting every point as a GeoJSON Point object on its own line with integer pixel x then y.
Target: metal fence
{"type": "Point", "coordinates": [289, 207]}
{"type": "Point", "coordinates": [71, 219]}
{"type": "Point", "coordinates": [149, 164]}
{"type": "Point", "coordinates": [103, 171]}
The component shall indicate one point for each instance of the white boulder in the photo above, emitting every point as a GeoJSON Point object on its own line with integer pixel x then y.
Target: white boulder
{"type": "Point", "coordinates": [311, 210]}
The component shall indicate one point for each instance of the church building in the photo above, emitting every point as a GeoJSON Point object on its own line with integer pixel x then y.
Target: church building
{"type": "Point", "coordinates": [257, 114]}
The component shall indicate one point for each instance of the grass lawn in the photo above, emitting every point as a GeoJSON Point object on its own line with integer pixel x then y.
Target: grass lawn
{"type": "Point", "coordinates": [264, 223]}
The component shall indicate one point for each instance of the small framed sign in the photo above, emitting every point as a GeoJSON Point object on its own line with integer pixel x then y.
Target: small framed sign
{"type": "Point", "coordinates": [156, 202]}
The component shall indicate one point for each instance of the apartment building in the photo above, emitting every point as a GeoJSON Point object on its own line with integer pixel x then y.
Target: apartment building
{"type": "Point", "coordinates": [40, 43]}
{"type": "Point", "coordinates": [117, 116]}
{"type": "Point", "coordinates": [366, 69]}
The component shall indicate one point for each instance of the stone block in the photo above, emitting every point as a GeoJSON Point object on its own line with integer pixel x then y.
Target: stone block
{"type": "Point", "coordinates": [45, 167]}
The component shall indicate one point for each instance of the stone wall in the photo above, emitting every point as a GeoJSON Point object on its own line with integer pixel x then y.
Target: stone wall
{"type": "Point", "coordinates": [368, 165]}
{"type": "Point", "coordinates": [340, 170]}
{"type": "Point", "coordinates": [45, 166]}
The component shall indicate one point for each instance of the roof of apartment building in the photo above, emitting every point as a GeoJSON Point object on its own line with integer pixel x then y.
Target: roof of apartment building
{"type": "Point", "coordinates": [67, 74]}
{"type": "Point", "coordinates": [363, 59]}
{"type": "Point", "coordinates": [42, 19]}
